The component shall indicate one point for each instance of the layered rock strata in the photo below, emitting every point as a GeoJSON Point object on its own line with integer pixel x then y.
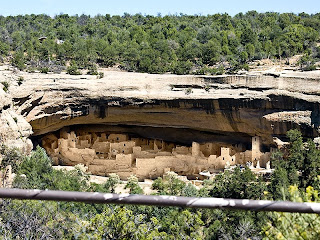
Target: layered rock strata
{"type": "Point", "coordinates": [234, 107]}
{"type": "Point", "coordinates": [181, 109]}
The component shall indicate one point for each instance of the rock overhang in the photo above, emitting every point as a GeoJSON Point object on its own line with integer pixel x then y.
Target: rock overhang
{"type": "Point", "coordinates": [221, 105]}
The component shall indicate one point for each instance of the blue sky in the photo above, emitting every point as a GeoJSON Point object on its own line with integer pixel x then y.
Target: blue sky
{"type": "Point", "coordinates": [118, 7]}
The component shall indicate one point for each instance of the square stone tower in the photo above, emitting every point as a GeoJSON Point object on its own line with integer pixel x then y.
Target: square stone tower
{"type": "Point", "coordinates": [225, 152]}
{"type": "Point", "coordinates": [195, 149]}
{"type": "Point", "coordinates": [256, 149]}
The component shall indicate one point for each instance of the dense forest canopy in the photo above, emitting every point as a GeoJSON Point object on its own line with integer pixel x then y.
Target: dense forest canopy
{"type": "Point", "coordinates": [179, 44]}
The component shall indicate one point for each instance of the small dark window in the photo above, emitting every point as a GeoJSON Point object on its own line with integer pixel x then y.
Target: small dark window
{"type": "Point", "coordinates": [122, 151]}
{"type": "Point", "coordinates": [117, 139]}
{"type": "Point", "coordinates": [124, 144]}
{"type": "Point", "coordinates": [223, 158]}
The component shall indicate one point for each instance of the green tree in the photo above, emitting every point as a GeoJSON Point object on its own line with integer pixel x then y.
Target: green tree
{"type": "Point", "coordinates": [36, 172]}
{"type": "Point", "coordinates": [189, 190]}
{"type": "Point", "coordinates": [4, 48]}
{"type": "Point", "coordinates": [183, 225]}
{"type": "Point", "coordinates": [153, 44]}
{"type": "Point", "coordinates": [269, 49]}
{"type": "Point", "coordinates": [241, 184]}
{"type": "Point", "coordinates": [307, 62]}
{"type": "Point", "coordinates": [133, 185]}
{"type": "Point", "coordinates": [34, 220]}
{"type": "Point", "coordinates": [33, 171]}
{"type": "Point", "coordinates": [296, 155]}
{"type": "Point", "coordinates": [250, 50]}
{"type": "Point", "coordinates": [112, 182]}
{"type": "Point", "coordinates": [73, 69]}
{"type": "Point", "coordinates": [18, 60]}
{"type": "Point", "coordinates": [10, 156]}
{"type": "Point", "coordinates": [170, 184]}
{"type": "Point", "coordinates": [279, 179]}
{"type": "Point", "coordinates": [181, 67]}
{"type": "Point", "coordinates": [211, 52]}
{"type": "Point", "coordinates": [311, 166]}
{"type": "Point", "coordinates": [294, 225]}
{"type": "Point", "coordinates": [121, 223]}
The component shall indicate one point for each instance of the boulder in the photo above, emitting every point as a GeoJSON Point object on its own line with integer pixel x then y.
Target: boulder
{"type": "Point", "coordinates": [15, 131]}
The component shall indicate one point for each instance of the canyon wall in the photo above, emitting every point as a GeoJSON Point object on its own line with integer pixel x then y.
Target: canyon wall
{"type": "Point", "coordinates": [14, 129]}
{"type": "Point", "coordinates": [173, 108]}
{"type": "Point", "coordinates": [181, 109]}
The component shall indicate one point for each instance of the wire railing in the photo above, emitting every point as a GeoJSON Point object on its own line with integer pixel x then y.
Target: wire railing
{"type": "Point", "coordinates": [164, 200]}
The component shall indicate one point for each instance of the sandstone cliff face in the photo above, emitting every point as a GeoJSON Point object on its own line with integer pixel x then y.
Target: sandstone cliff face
{"type": "Point", "coordinates": [14, 129]}
{"type": "Point", "coordinates": [5, 101]}
{"type": "Point", "coordinates": [173, 108]}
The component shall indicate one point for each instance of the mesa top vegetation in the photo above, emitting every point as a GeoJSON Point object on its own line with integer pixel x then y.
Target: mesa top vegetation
{"type": "Point", "coordinates": [179, 44]}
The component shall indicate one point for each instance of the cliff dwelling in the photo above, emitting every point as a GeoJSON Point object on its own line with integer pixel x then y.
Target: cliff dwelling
{"type": "Point", "coordinates": [159, 127]}
{"type": "Point", "coordinates": [105, 152]}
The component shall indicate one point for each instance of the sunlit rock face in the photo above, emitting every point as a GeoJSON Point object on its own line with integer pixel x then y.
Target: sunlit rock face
{"type": "Point", "coordinates": [231, 109]}
{"type": "Point", "coordinates": [14, 129]}
{"type": "Point", "coordinates": [179, 109]}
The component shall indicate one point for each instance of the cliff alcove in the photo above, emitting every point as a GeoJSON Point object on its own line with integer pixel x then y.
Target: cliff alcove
{"type": "Point", "coordinates": [149, 152]}
{"type": "Point", "coordinates": [180, 110]}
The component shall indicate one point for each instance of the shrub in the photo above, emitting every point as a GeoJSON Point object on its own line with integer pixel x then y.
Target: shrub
{"type": "Point", "coordinates": [31, 69]}
{"type": "Point", "coordinates": [207, 88]}
{"type": "Point", "coordinates": [36, 172]}
{"type": "Point", "coordinates": [133, 185]}
{"type": "Point", "coordinates": [182, 67]}
{"type": "Point", "coordinates": [310, 68]}
{"type": "Point", "coordinates": [73, 70]}
{"type": "Point", "coordinates": [20, 80]}
{"type": "Point", "coordinates": [201, 71]}
{"type": "Point", "coordinates": [92, 70]}
{"type": "Point", "coordinates": [101, 75]}
{"type": "Point", "coordinates": [112, 182]}
{"type": "Point", "coordinates": [18, 61]}
{"type": "Point", "coordinates": [10, 156]}
{"type": "Point", "coordinates": [220, 70]}
{"type": "Point", "coordinates": [5, 86]}
{"type": "Point", "coordinates": [44, 70]}
{"type": "Point", "coordinates": [294, 225]}
{"type": "Point", "coordinates": [170, 184]}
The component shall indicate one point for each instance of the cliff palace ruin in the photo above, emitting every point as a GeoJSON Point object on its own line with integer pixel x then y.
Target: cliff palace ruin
{"type": "Point", "coordinates": [105, 153]}
{"type": "Point", "coordinates": [144, 124]}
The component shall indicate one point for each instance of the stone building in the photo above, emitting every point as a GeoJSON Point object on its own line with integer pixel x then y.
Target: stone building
{"type": "Point", "coordinates": [106, 153]}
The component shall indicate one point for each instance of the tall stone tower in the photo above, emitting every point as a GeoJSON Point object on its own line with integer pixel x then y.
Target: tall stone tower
{"type": "Point", "coordinates": [225, 152]}
{"type": "Point", "coordinates": [256, 149]}
{"type": "Point", "coordinates": [195, 149]}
